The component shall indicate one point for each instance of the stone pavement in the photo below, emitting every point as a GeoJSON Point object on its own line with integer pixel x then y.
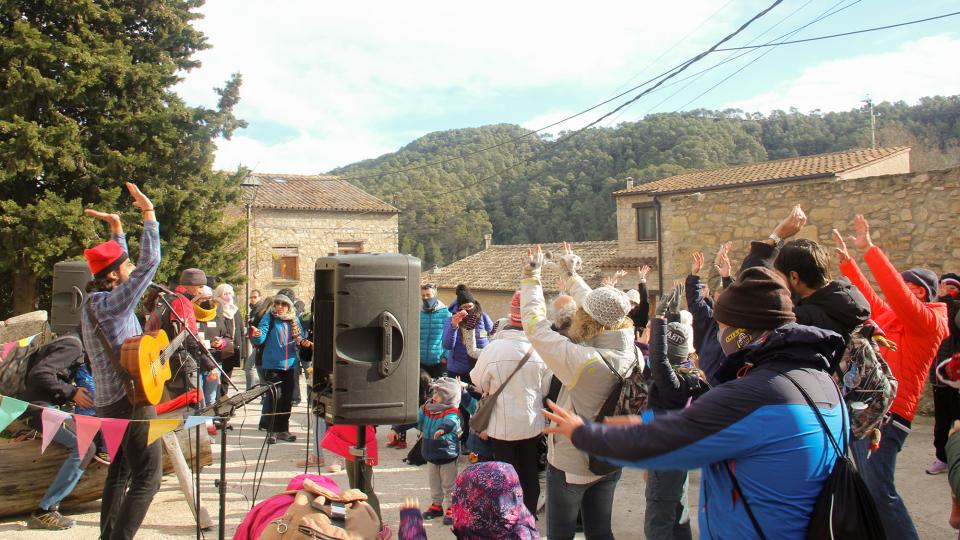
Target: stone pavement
{"type": "Point", "coordinates": [928, 497]}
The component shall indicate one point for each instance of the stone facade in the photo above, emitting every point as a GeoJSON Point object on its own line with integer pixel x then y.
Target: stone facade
{"type": "Point", "coordinates": [314, 234]}
{"type": "Point", "coordinates": [912, 217]}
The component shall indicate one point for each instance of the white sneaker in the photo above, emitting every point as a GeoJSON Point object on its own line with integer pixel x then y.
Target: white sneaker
{"type": "Point", "coordinates": [937, 467]}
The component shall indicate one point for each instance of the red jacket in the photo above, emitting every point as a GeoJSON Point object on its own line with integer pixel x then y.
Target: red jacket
{"type": "Point", "coordinates": [339, 440]}
{"type": "Point", "coordinates": [916, 328]}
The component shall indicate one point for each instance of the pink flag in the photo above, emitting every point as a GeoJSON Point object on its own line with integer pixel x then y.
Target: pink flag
{"type": "Point", "coordinates": [51, 419]}
{"type": "Point", "coordinates": [87, 428]}
{"type": "Point", "coordinates": [113, 430]}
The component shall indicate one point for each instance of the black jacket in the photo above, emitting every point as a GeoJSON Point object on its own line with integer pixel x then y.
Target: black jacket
{"type": "Point", "coordinates": [640, 315]}
{"type": "Point", "coordinates": [50, 374]}
{"type": "Point", "coordinates": [668, 389]}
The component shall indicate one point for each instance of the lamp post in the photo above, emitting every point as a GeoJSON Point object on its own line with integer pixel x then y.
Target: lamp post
{"type": "Point", "coordinates": [250, 186]}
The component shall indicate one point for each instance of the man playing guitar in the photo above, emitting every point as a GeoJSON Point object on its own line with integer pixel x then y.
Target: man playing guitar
{"type": "Point", "coordinates": [108, 318]}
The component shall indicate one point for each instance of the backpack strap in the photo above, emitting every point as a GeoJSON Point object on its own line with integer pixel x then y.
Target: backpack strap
{"type": "Point", "coordinates": [823, 423]}
{"type": "Point", "coordinates": [743, 498]}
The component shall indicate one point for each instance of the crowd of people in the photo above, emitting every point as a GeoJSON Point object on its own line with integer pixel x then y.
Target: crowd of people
{"type": "Point", "coordinates": [749, 383]}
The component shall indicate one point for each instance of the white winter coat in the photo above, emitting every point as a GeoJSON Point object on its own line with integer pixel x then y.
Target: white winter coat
{"type": "Point", "coordinates": [517, 414]}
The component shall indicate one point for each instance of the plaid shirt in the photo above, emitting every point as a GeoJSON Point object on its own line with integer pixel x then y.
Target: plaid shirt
{"type": "Point", "coordinates": [116, 312]}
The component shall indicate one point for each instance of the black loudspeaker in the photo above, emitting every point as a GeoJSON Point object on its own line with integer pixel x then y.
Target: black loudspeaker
{"type": "Point", "coordinates": [70, 279]}
{"type": "Point", "coordinates": [367, 338]}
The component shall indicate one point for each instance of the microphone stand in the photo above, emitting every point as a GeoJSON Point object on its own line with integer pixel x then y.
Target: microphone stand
{"type": "Point", "coordinates": [196, 452]}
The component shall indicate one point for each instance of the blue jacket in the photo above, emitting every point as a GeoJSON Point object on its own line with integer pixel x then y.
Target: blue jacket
{"type": "Point", "coordinates": [432, 325]}
{"type": "Point", "coordinates": [458, 362]}
{"type": "Point", "coordinates": [705, 328]}
{"type": "Point", "coordinates": [280, 351]}
{"type": "Point", "coordinates": [447, 448]}
{"type": "Point", "coordinates": [760, 423]}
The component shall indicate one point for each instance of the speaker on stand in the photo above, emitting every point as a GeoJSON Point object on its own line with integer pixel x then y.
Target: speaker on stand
{"type": "Point", "coordinates": [70, 279]}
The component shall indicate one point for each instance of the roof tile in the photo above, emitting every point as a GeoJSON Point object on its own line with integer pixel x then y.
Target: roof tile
{"type": "Point", "coordinates": [781, 169]}
{"type": "Point", "coordinates": [316, 192]}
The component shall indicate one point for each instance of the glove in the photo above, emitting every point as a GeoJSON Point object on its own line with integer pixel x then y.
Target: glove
{"type": "Point", "coordinates": [532, 263]}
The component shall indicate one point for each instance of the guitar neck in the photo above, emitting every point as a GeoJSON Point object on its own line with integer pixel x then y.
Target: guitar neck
{"type": "Point", "coordinates": [173, 346]}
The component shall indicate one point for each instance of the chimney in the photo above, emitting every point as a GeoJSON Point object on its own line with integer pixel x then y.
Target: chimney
{"type": "Point", "coordinates": [487, 240]}
{"type": "Point", "coordinates": [629, 182]}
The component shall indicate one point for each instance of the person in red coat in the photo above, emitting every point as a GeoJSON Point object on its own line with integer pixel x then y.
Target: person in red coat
{"type": "Point", "coordinates": [917, 325]}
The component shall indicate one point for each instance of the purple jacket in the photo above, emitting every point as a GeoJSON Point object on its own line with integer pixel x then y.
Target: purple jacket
{"type": "Point", "coordinates": [458, 362]}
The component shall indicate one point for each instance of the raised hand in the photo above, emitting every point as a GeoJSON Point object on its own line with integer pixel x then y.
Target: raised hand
{"type": "Point", "coordinates": [139, 199]}
{"type": "Point", "coordinates": [564, 422]}
{"type": "Point", "coordinates": [532, 262]}
{"type": "Point", "coordinates": [862, 239]}
{"type": "Point", "coordinates": [724, 250]}
{"type": "Point", "coordinates": [723, 267]}
{"type": "Point", "coordinates": [697, 263]}
{"type": "Point", "coordinates": [570, 263]}
{"type": "Point", "coordinates": [841, 247]}
{"type": "Point", "coordinates": [410, 503]}
{"type": "Point", "coordinates": [113, 220]}
{"type": "Point", "coordinates": [560, 284]}
{"type": "Point", "coordinates": [642, 272]}
{"type": "Point", "coordinates": [791, 224]}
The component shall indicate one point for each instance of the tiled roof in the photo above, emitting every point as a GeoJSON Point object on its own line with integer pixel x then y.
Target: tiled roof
{"type": "Point", "coordinates": [781, 169]}
{"type": "Point", "coordinates": [303, 192]}
{"type": "Point", "coordinates": [498, 267]}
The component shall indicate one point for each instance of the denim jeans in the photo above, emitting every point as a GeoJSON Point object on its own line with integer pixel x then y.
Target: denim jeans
{"type": "Point", "coordinates": [877, 472]}
{"type": "Point", "coordinates": [667, 516]}
{"type": "Point", "coordinates": [134, 475]}
{"type": "Point", "coordinates": [319, 430]}
{"type": "Point", "coordinates": [297, 370]}
{"type": "Point", "coordinates": [594, 501]}
{"type": "Point", "coordinates": [70, 472]}
{"type": "Point", "coordinates": [209, 388]}
{"type": "Point", "coordinates": [249, 367]}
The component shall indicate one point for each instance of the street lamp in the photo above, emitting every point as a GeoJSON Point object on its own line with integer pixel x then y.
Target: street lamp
{"type": "Point", "coordinates": [250, 185]}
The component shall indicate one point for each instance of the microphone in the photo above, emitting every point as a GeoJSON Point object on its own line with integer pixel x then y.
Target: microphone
{"type": "Point", "coordinates": [160, 288]}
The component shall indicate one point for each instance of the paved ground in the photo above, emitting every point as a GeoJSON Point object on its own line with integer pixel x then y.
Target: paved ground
{"type": "Point", "coordinates": [928, 497]}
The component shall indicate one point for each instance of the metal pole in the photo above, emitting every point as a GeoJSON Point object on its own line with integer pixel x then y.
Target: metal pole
{"type": "Point", "coordinates": [249, 214]}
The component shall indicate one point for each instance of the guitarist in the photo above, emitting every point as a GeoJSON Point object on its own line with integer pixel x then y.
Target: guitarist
{"type": "Point", "coordinates": [108, 318]}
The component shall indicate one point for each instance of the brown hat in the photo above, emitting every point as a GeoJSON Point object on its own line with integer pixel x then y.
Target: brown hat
{"type": "Point", "coordinates": [193, 276]}
{"type": "Point", "coordinates": [758, 299]}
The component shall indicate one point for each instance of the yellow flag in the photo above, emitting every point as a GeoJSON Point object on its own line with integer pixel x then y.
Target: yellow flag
{"type": "Point", "coordinates": [159, 428]}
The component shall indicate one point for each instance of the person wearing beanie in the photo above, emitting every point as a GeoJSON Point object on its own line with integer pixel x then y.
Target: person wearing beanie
{"type": "Point", "coordinates": [600, 340]}
{"type": "Point", "coordinates": [108, 318]}
{"type": "Point", "coordinates": [281, 336]}
{"type": "Point", "coordinates": [756, 428]}
{"type": "Point", "coordinates": [468, 317]}
{"type": "Point", "coordinates": [946, 399]}
{"type": "Point", "coordinates": [516, 423]}
{"type": "Point", "coordinates": [439, 422]}
{"type": "Point", "coordinates": [912, 319]}
{"type": "Point", "coordinates": [675, 384]}
{"type": "Point", "coordinates": [700, 302]}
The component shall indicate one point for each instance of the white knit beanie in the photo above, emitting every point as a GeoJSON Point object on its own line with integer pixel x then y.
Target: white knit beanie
{"type": "Point", "coordinates": [606, 305]}
{"type": "Point", "coordinates": [634, 296]}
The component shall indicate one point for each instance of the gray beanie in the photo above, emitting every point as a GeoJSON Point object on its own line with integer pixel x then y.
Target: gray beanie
{"type": "Point", "coordinates": [283, 299]}
{"type": "Point", "coordinates": [606, 305]}
{"type": "Point", "coordinates": [449, 390]}
{"type": "Point", "coordinates": [679, 342]}
{"type": "Point", "coordinates": [193, 277]}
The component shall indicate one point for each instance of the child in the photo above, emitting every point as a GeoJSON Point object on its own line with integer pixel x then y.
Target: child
{"type": "Point", "coordinates": [439, 422]}
{"type": "Point", "coordinates": [84, 379]}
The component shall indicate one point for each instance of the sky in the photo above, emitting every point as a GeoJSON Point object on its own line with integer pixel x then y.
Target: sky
{"type": "Point", "coordinates": [326, 84]}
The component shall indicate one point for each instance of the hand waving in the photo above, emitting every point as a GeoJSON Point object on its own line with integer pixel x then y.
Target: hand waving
{"type": "Point", "coordinates": [791, 224]}
{"type": "Point", "coordinates": [113, 220]}
{"type": "Point", "coordinates": [532, 262]}
{"type": "Point", "coordinates": [570, 263]}
{"type": "Point", "coordinates": [642, 272]}
{"type": "Point", "coordinates": [841, 247]}
{"type": "Point", "coordinates": [697, 263]}
{"type": "Point", "coordinates": [862, 239]}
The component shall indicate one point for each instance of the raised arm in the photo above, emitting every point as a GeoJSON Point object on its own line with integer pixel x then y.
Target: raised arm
{"type": "Point", "coordinates": [850, 269]}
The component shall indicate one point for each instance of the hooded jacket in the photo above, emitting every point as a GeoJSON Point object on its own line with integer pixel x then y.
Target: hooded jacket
{"type": "Point", "coordinates": [459, 361]}
{"type": "Point", "coordinates": [701, 307]}
{"type": "Point", "coordinates": [280, 349]}
{"type": "Point", "coordinates": [587, 382]}
{"type": "Point", "coordinates": [669, 389]}
{"type": "Point", "coordinates": [432, 325]}
{"type": "Point", "coordinates": [917, 328]}
{"type": "Point", "coordinates": [760, 423]}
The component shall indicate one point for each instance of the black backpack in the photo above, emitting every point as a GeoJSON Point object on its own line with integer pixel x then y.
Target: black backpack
{"type": "Point", "coordinates": [844, 509]}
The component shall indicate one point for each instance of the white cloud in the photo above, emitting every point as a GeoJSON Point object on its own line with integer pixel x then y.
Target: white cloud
{"type": "Point", "coordinates": [330, 71]}
{"type": "Point", "coordinates": [919, 68]}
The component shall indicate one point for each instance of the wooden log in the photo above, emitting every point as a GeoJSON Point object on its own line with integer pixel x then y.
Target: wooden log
{"type": "Point", "coordinates": [25, 474]}
{"type": "Point", "coordinates": [174, 454]}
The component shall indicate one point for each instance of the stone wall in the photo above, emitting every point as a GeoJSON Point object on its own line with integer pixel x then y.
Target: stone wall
{"type": "Point", "coordinates": [913, 217]}
{"type": "Point", "coordinates": [315, 234]}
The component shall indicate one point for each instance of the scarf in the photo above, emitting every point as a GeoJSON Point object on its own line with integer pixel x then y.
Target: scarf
{"type": "Point", "coordinates": [229, 309]}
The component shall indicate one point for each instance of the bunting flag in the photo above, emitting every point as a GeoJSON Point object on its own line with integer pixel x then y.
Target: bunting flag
{"type": "Point", "coordinates": [7, 347]}
{"type": "Point", "coordinates": [159, 428]}
{"type": "Point", "coordinates": [10, 410]}
{"type": "Point", "coordinates": [51, 420]}
{"type": "Point", "coordinates": [87, 428]}
{"type": "Point", "coordinates": [194, 421]}
{"type": "Point", "coordinates": [113, 430]}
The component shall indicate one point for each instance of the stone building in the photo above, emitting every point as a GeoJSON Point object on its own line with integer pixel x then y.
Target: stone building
{"type": "Point", "coordinates": [494, 273]}
{"type": "Point", "coordinates": [296, 219]}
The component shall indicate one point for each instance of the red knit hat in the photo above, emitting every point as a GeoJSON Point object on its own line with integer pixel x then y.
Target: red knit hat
{"type": "Point", "coordinates": [105, 258]}
{"type": "Point", "coordinates": [515, 318]}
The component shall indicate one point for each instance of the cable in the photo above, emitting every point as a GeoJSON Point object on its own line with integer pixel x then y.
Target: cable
{"type": "Point", "coordinates": [865, 30]}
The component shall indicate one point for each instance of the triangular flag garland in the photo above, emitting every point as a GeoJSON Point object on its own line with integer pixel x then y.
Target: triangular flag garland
{"type": "Point", "coordinates": [113, 430]}
{"type": "Point", "coordinates": [87, 428]}
{"type": "Point", "coordinates": [194, 421]}
{"type": "Point", "coordinates": [159, 428]}
{"type": "Point", "coordinates": [10, 410]}
{"type": "Point", "coordinates": [51, 420]}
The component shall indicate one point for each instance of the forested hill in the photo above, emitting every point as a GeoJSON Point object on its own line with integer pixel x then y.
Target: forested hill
{"type": "Point", "coordinates": [560, 189]}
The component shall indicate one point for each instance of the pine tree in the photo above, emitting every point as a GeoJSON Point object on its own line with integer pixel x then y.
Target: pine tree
{"type": "Point", "coordinates": [87, 103]}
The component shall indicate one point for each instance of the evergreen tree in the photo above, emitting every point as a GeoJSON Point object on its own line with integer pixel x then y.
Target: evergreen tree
{"type": "Point", "coordinates": [87, 103]}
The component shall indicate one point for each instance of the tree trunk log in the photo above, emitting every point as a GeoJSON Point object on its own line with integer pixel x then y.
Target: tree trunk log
{"type": "Point", "coordinates": [24, 291]}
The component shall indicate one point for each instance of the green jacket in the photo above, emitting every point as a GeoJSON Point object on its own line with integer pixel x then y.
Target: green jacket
{"type": "Point", "coordinates": [953, 461]}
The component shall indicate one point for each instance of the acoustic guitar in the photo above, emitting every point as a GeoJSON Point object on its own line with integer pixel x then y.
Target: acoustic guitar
{"type": "Point", "coordinates": [146, 359]}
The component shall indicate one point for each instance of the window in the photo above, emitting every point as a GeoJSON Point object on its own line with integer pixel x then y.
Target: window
{"type": "Point", "coordinates": [349, 248]}
{"type": "Point", "coordinates": [286, 264]}
{"type": "Point", "coordinates": [646, 223]}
